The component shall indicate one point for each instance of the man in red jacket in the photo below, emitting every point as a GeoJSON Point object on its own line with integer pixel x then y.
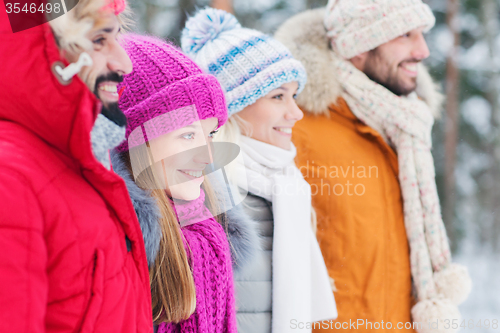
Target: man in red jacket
{"type": "Point", "coordinates": [72, 257]}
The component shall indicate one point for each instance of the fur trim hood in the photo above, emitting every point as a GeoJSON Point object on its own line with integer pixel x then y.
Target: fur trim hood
{"type": "Point", "coordinates": [71, 28]}
{"type": "Point", "coordinates": [242, 231]}
{"type": "Point", "coordinates": [243, 236]}
{"type": "Point", "coordinates": [305, 36]}
{"type": "Point", "coordinates": [145, 207]}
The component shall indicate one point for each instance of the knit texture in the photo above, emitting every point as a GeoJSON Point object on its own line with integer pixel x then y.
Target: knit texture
{"type": "Point", "coordinates": [210, 259]}
{"type": "Point", "coordinates": [189, 212]}
{"type": "Point", "coordinates": [166, 91]}
{"type": "Point", "coordinates": [247, 63]}
{"type": "Point", "coordinates": [105, 136]}
{"type": "Point", "coordinates": [357, 26]}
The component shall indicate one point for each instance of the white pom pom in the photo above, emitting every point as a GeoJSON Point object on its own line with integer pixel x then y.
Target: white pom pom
{"type": "Point", "coordinates": [205, 26]}
{"type": "Point", "coordinates": [453, 283]}
{"type": "Point", "coordinates": [435, 316]}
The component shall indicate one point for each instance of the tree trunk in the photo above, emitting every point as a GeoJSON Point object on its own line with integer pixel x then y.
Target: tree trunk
{"type": "Point", "coordinates": [490, 10]}
{"type": "Point", "coordinates": [150, 12]}
{"type": "Point", "coordinates": [226, 5]}
{"type": "Point", "coordinates": [451, 131]}
{"type": "Point", "coordinates": [310, 4]}
{"type": "Point", "coordinates": [186, 7]}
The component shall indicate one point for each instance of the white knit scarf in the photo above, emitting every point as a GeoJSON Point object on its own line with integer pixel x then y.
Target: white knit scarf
{"type": "Point", "coordinates": [406, 124]}
{"type": "Point", "coordinates": [301, 288]}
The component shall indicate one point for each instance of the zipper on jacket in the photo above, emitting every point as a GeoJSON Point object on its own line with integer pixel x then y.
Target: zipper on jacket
{"type": "Point", "coordinates": [129, 244]}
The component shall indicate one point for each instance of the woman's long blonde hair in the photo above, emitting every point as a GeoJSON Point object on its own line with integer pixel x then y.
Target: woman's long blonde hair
{"type": "Point", "coordinates": [173, 291]}
{"type": "Point", "coordinates": [172, 285]}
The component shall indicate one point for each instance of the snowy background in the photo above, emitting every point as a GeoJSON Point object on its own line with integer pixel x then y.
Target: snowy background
{"type": "Point", "coordinates": [474, 198]}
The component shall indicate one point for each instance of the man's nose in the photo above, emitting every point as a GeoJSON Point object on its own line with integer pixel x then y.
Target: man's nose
{"type": "Point", "coordinates": [118, 59]}
{"type": "Point", "coordinates": [420, 49]}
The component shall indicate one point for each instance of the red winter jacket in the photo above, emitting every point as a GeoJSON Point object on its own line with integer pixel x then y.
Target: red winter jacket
{"type": "Point", "coordinates": [65, 263]}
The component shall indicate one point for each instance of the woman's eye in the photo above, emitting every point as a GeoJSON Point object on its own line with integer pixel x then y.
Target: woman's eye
{"type": "Point", "coordinates": [188, 136]}
{"type": "Point", "coordinates": [212, 134]}
{"type": "Point", "coordinates": [278, 97]}
{"type": "Point", "coordinates": [406, 35]}
{"type": "Point", "coordinates": [295, 96]}
{"type": "Point", "coordinates": [99, 41]}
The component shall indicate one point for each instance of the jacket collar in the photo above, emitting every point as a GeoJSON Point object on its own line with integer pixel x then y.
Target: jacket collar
{"type": "Point", "coordinates": [341, 108]}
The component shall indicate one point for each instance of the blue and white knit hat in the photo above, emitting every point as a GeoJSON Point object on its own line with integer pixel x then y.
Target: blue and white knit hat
{"type": "Point", "coordinates": [247, 63]}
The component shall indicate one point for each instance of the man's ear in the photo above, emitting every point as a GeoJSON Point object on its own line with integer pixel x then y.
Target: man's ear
{"type": "Point", "coordinates": [359, 60]}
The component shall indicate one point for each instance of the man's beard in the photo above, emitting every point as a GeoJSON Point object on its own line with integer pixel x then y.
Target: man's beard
{"type": "Point", "coordinates": [111, 110]}
{"type": "Point", "coordinates": [379, 71]}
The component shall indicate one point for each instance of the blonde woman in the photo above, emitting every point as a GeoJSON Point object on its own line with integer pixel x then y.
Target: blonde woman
{"type": "Point", "coordinates": [287, 288]}
{"type": "Point", "coordinates": [173, 110]}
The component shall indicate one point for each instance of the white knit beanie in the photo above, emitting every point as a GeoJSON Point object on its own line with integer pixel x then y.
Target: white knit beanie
{"type": "Point", "coordinates": [357, 26]}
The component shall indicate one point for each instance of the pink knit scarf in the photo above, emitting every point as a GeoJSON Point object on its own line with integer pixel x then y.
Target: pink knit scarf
{"type": "Point", "coordinates": [210, 260]}
{"type": "Point", "coordinates": [189, 212]}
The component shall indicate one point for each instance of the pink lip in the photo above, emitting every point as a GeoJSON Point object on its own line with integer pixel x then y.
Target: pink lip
{"type": "Point", "coordinates": [410, 73]}
{"type": "Point", "coordinates": [108, 83]}
{"type": "Point", "coordinates": [283, 133]}
{"type": "Point", "coordinates": [106, 95]}
{"type": "Point", "coordinates": [191, 177]}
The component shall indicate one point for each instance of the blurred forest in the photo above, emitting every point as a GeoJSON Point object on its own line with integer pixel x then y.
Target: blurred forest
{"type": "Point", "coordinates": [465, 59]}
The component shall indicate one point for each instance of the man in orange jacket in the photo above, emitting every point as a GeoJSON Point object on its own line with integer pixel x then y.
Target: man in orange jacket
{"type": "Point", "coordinates": [364, 146]}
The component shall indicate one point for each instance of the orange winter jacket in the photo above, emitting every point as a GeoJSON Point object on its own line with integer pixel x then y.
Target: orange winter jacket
{"type": "Point", "coordinates": [353, 175]}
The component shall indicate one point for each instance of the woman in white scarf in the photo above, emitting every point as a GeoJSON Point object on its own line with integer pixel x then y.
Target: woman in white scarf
{"type": "Point", "coordinates": [279, 195]}
{"type": "Point", "coordinates": [287, 288]}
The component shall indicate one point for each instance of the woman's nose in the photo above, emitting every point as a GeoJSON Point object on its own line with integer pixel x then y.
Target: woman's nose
{"type": "Point", "coordinates": [294, 112]}
{"type": "Point", "coordinates": [204, 154]}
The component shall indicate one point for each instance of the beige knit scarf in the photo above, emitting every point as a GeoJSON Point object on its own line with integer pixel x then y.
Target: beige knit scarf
{"type": "Point", "coordinates": [406, 124]}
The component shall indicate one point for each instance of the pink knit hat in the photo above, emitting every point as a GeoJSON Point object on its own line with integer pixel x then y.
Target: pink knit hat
{"type": "Point", "coordinates": [166, 91]}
